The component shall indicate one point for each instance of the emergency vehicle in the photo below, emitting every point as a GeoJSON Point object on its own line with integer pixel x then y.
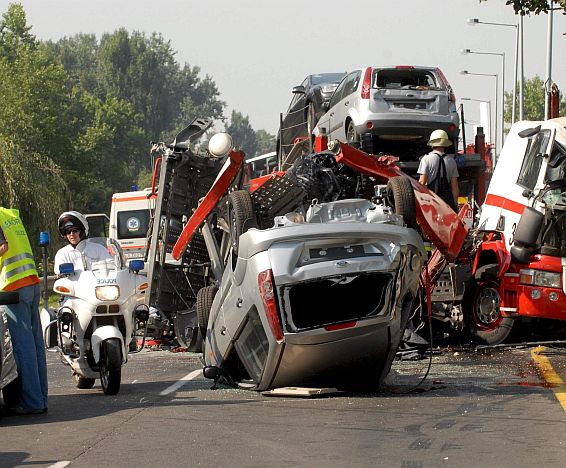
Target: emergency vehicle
{"type": "Point", "coordinates": [130, 219]}
{"type": "Point", "coordinates": [520, 262]}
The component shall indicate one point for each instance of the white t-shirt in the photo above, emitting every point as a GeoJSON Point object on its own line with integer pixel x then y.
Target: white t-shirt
{"type": "Point", "coordinates": [69, 254]}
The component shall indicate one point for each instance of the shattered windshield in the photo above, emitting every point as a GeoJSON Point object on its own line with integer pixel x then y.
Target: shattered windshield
{"type": "Point", "coordinates": [556, 170]}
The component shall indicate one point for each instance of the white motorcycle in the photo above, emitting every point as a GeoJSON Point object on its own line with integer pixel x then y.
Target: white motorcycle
{"type": "Point", "coordinates": [100, 315]}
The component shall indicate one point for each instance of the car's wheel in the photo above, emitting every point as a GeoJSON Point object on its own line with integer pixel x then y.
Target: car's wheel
{"type": "Point", "coordinates": [401, 197]}
{"type": "Point", "coordinates": [205, 297]}
{"type": "Point", "coordinates": [111, 366]}
{"type": "Point", "coordinates": [352, 137]}
{"type": "Point", "coordinates": [83, 382]}
{"type": "Point", "coordinates": [241, 217]}
{"type": "Point", "coordinates": [483, 313]}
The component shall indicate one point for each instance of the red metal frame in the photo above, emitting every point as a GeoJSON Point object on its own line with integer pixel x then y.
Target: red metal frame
{"type": "Point", "coordinates": [438, 221]}
{"type": "Point", "coordinates": [211, 199]}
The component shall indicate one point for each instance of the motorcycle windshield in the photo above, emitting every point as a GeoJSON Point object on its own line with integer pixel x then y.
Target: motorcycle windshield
{"type": "Point", "coordinates": [96, 249]}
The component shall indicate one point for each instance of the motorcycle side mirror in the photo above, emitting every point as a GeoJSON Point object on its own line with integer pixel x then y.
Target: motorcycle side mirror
{"type": "Point", "coordinates": [66, 268]}
{"type": "Point", "coordinates": [136, 265]}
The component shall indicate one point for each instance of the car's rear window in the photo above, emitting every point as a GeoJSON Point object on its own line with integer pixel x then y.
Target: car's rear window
{"type": "Point", "coordinates": [405, 78]}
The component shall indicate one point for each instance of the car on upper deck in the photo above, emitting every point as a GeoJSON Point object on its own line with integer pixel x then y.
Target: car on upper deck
{"type": "Point", "coordinates": [305, 108]}
{"type": "Point", "coordinates": [390, 109]}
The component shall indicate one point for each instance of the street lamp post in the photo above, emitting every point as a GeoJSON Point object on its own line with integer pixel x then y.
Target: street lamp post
{"type": "Point", "coordinates": [502, 55]}
{"type": "Point", "coordinates": [518, 32]}
{"type": "Point", "coordinates": [466, 72]}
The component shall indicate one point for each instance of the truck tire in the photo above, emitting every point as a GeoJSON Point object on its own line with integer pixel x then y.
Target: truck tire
{"type": "Point", "coordinates": [241, 217]}
{"type": "Point", "coordinates": [401, 197]}
{"type": "Point", "coordinates": [205, 297]}
{"type": "Point", "coordinates": [482, 313]}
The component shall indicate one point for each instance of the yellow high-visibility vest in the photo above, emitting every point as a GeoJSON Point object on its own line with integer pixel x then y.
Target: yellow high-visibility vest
{"type": "Point", "coordinates": [17, 262]}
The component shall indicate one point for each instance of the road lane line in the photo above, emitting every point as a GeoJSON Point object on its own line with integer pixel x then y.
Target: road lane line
{"type": "Point", "coordinates": [61, 464]}
{"type": "Point", "coordinates": [549, 375]}
{"type": "Point", "coordinates": [177, 385]}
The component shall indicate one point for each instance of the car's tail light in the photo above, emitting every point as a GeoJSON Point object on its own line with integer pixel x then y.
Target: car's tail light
{"type": "Point", "coordinates": [451, 128]}
{"type": "Point", "coordinates": [267, 293]}
{"type": "Point", "coordinates": [451, 96]}
{"type": "Point", "coordinates": [405, 67]}
{"type": "Point", "coordinates": [366, 83]}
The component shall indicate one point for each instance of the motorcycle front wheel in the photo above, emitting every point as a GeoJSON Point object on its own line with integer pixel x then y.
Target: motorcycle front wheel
{"type": "Point", "coordinates": [111, 366]}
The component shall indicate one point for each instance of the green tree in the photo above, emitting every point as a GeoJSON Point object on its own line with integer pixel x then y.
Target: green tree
{"type": "Point", "coordinates": [243, 134]}
{"type": "Point", "coordinates": [533, 100]}
{"type": "Point", "coordinates": [265, 141]}
{"type": "Point", "coordinates": [534, 6]}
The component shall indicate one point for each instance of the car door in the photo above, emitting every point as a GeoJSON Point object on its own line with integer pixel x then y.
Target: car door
{"type": "Point", "coordinates": [343, 106]}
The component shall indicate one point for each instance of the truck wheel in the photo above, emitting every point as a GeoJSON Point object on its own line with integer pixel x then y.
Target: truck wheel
{"type": "Point", "coordinates": [111, 366]}
{"type": "Point", "coordinates": [205, 297]}
{"type": "Point", "coordinates": [241, 217]}
{"type": "Point", "coordinates": [401, 197]}
{"type": "Point", "coordinates": [483, 313]}
{"type": "Point", "coordinates": [83, 382]}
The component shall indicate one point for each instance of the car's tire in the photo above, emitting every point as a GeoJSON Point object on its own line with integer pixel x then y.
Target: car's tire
{"type": "Point", "coordinates": [111, 366]}
{"type": "Point", "coordinates": [352, 137]}
{"type": "Point", "coordinates": [83, 382]}
{"type": "Point", "coordinates": [205, 297]}
{"type": "Point", "coordinates": [482, 313]}
{"type": "Point", "coordinates": [241, 217]}
{"type": "Point", "coordinates": [401, 197]}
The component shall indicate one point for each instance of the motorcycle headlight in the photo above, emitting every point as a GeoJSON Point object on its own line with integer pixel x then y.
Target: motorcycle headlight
{"type": "Point", "coordinates": [545, 279]}
{"type": "Point", "coordinates": [107, 293]}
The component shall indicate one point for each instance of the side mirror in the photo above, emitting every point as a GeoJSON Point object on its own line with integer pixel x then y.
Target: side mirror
{"type": "Point", "coordinates": [529, 132]}
{"type": "Point", "coordinates": [211, 372]}
{"type": "Point", "coordinates": [298, 90]}
{"type": "Point", "coordinates": [66, 268]}
{"type": "Point", "coordinates": [136, 265]}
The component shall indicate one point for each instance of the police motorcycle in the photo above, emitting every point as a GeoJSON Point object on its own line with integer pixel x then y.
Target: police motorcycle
{"type": "Point", "coordinates": [101, 313]}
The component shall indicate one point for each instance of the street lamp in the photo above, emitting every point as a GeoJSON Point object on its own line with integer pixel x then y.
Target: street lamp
{"type": "Point", "coordinates": [502, 55]}
{"type": "Point", "coordinates": [518, 32]}
{"type": "Point", "coordinates": [466, 72]}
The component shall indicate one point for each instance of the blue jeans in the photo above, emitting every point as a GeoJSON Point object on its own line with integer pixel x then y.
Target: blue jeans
{"type": "Point", "coordinates": [29, 349]}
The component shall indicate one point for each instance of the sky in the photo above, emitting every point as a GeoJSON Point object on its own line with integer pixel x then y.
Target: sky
{"type": "Point", "coordinates": [257, 50]}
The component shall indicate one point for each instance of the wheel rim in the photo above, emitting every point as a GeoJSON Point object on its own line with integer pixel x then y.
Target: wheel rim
{"type": "Point", "coordinates": [487, 310]}
{"type": "Point", "coordinates": [351, 135]}
{"type": "Point", "coordinates": [104, 375]}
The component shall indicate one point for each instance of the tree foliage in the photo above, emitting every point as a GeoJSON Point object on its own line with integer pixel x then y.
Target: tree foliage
{"type": "Point", "coordinates": [533, 100]}
{"type": "Point", "coordinates": [525, 7]}
{"type": "Point", "coordinates": [78, 115]}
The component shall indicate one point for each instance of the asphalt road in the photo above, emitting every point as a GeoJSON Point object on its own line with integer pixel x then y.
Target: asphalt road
{"type": "Point", "coordinates": [504, 408]}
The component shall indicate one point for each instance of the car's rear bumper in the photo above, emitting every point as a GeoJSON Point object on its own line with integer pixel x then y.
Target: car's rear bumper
{"type": "Point", "coordinates": [409, 125]}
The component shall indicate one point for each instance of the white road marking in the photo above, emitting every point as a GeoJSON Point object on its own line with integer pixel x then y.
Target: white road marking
{"type": "Point", "coordinates": [177, 385]}
{"type": "Point", "coordinates": [61, 464]}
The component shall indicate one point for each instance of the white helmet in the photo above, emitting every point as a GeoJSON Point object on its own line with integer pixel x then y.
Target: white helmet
{"type": "Point", "coordinates": [439, 138]}
{"type": "Point", "coordinates": [72, 219]}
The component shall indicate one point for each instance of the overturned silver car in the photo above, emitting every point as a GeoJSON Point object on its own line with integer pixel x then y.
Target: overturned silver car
{"type": "Point", "coordinates": [314, 300]}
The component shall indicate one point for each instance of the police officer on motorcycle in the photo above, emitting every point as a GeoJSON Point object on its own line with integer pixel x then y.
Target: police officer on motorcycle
{"type": "Point", "coordinates": [73, 227]}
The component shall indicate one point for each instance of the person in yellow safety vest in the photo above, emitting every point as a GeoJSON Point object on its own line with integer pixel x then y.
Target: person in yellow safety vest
{"type": "Point", "coordinates": [18, 273]}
